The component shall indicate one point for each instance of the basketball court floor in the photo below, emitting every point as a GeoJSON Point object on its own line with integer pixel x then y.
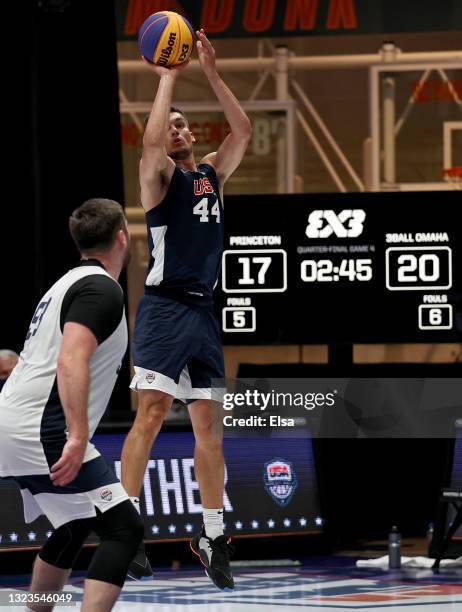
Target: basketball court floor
{"type": "Point", "coordinates": [330, 584]}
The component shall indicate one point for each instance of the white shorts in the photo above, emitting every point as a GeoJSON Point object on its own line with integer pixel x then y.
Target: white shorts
{"type": "Point", "coordinates": [95, 486]}
{"type": "Point", "coordinates": [183, 390]}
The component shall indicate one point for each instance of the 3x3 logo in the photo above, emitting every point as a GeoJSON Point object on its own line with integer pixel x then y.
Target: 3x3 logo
{"type": "Point", "coordinates": [346, 224]}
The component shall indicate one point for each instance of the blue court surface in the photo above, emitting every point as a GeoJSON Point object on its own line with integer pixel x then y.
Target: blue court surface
{"type": "Point", "coordinates": [328, 583]}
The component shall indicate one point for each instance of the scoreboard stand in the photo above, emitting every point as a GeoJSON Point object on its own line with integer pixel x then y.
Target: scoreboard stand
{"type": "Point", "coordinates": [340, 354]}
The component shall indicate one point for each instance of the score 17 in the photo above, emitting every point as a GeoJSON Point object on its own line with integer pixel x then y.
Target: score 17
{"type": "Point", "coordinates": [254, 271]}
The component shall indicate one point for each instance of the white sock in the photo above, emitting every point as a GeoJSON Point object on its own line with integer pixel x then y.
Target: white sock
{"type": "Point", "coordinates": [213, 522]}
{"type": "Point", "coordinates": [136, 502]}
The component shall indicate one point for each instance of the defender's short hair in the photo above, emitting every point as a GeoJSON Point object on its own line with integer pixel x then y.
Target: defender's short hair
{"type": "Point", "coordinates": [94, 224]}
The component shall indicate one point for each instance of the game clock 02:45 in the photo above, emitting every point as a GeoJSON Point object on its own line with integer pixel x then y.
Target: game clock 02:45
{"type": "Point", "coordinates": [327, 271]}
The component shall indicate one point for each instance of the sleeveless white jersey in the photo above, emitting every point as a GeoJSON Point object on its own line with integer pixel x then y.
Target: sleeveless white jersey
{"type": "Point", "coordinates": [30, 409]}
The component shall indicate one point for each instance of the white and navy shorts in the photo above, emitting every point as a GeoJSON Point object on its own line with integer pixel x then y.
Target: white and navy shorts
{"type": "Point", "coordinates": [176, 348]}
{"type": "Point", "coordinates": [95, 486]}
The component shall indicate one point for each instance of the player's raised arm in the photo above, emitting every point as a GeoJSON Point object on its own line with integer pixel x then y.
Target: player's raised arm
{"type": "Point", "coordinates": [156, 168]}
{"type": "Point", "coordinates": [231, 151]}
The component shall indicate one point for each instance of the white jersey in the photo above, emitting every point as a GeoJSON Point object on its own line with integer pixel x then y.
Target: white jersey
{"type": "Point", "coordinates": [33, 427]}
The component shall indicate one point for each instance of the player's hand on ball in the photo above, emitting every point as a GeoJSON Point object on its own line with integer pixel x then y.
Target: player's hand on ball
{"type": "Point", "coordinates": [206, 53]}
{"type": "Point", "coordinates": [163, 71]}
{"type": "Point", "coordinates": [66, 468]}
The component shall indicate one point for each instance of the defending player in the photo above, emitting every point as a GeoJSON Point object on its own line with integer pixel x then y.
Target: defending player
{"type": "Point", "coordinates": [52, 403]}
{"type": "Point", "coordinates": [176, 348]}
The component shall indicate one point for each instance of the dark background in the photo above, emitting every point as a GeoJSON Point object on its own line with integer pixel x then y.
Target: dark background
{"type": "Point", "coordinates": [63, 143]}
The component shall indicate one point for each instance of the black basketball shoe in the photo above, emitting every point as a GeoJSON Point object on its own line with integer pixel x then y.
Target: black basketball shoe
{"type": "Point", "coordinates": [140, 568]}
{"type": "Point", "coordinates": [214, 556]}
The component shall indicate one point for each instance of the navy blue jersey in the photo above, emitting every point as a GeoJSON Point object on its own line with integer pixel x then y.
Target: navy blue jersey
{"type": "Point", "coordinates": [185, 236]}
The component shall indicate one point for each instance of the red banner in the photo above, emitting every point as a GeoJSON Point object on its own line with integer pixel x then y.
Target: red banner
{"type": "Point", "coordinates": [239, 18]}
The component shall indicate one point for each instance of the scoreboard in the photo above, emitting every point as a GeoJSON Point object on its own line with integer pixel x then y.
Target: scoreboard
{"type": "Point", "coordinates": [328, 268]}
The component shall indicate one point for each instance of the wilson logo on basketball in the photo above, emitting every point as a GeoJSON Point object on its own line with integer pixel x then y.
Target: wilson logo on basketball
{"type": "Point", "coordinates": [168, 50]}
{"type": "Point", "coordinates": [346, 224]}
{"type": "Point", "coordinates": [106, 494]}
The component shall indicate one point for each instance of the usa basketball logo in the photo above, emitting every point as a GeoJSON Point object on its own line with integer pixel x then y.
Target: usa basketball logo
{"type": "Point", "coordinates": [106, 494]}
{"type": "Point", "coordinates": [280, 480]}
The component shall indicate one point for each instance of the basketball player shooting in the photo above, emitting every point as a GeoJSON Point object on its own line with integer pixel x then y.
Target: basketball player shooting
{"type": "Point", "coordinates": [176, 347]}
{"type": "Point", "coordinates": [52, 404]}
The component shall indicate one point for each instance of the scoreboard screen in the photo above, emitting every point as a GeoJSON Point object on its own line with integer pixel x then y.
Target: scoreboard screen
{"type": "Point", "coordinates": [328, 268]}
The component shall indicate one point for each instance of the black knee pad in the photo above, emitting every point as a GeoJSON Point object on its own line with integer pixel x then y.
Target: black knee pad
{"type": "Point", "coordinates": [121, 531]}
{"type": "Point", "coordinates": [121, 523]}
{"type": "Point", "coordinates": [64, 544]}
